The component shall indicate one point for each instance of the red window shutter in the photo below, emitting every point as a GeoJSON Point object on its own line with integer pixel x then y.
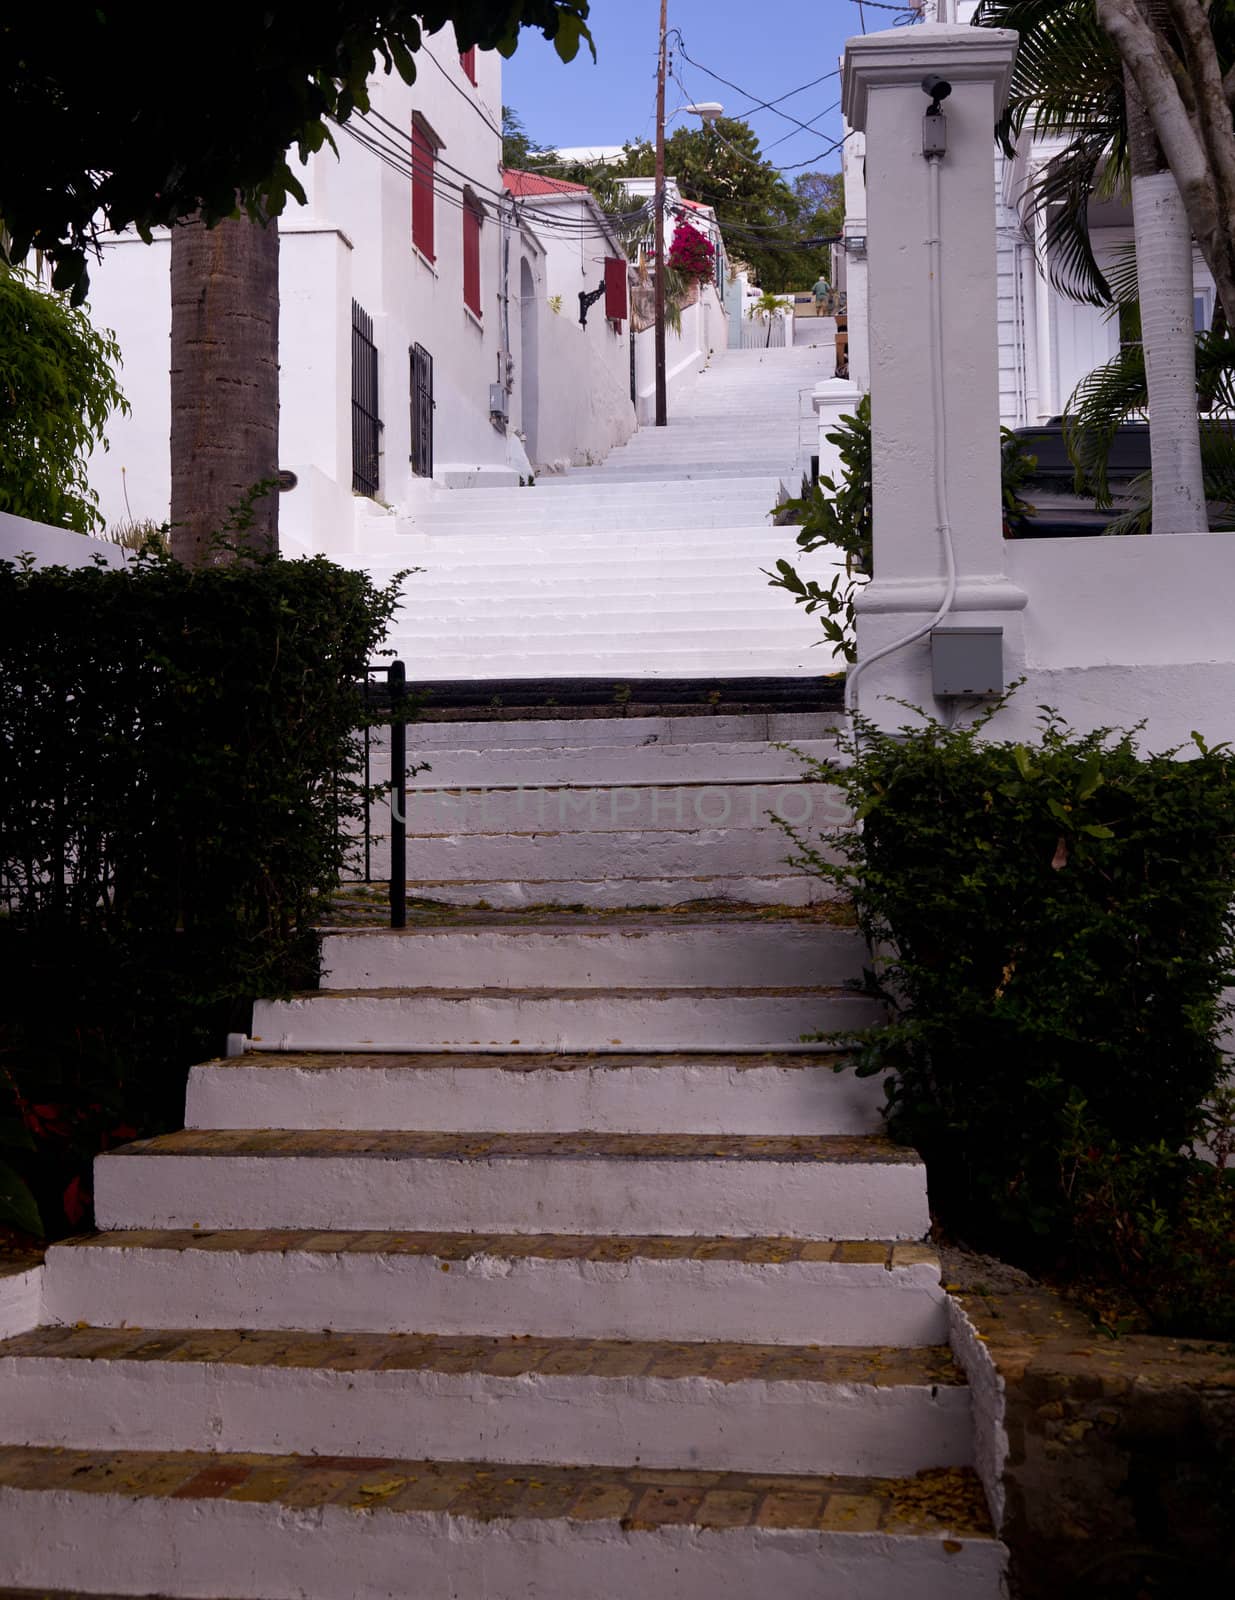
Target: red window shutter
{"type": "Point", "coordinates": [615, 288]}
{"type": "Point", "coordinates": [471, 258]}
{"type": "Point", "coordinates": [423, 157]}
{"type": "Point", "coordinates": [467, 60]}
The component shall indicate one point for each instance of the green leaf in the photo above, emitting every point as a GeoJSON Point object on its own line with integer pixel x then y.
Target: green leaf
{"type": "Point", "coordinates": [1091, 779]}
{"type": "Point", "coordinates": [17, 1205]}
{"type": "Point", "coordinates": [1097, 830]}
{"type": "Point", "coordinates": [571, 32]}
{"type": "Point", "coordinates": [1023, 764]}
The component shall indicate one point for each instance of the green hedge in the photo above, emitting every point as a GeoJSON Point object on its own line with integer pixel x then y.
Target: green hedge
{"type": "Point", "coordinates": [179, 752]}
{"type": "Point", "coordinates": [1058, 927]}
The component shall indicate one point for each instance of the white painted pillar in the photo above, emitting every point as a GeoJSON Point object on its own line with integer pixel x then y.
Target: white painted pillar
{"type": "Point", "coordinates": [833, 398]}
{"type": "Point", "coordinates": [909, 365]}
{"type": "Point", "coordinates": [853, 164]}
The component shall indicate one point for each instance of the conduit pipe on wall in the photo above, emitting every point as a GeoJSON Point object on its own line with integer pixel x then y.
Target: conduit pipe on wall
{"type": "Point", "coordinates": [943, 520]}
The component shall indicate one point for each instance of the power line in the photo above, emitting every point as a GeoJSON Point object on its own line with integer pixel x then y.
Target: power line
{"type": "Point", "coordinates": [479, 187]}
{"type": "Point", "coordinates": [759, 105]}
{"type": "Point", "coordinates": [471, 100]}
{"type": "Point", "coordinates": [572, 230]}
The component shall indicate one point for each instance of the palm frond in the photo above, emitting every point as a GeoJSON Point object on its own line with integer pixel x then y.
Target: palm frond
{"type": "Point", "coordinates": [1097, 408]}
{"type": "Point", "coordinates": [1067, 81]}
{"type": "Point", "coordinates": [1059, 196]}
{"type": "Point", "coordinates": [1118, 391]}
{"type": "Point", "coordinates": [1121, 276]}
{"type": "Point", "coordinates": [1067, 71]}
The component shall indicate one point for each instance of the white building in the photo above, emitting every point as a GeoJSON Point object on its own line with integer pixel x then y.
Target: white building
{"type": "Point", "coordinates": [572, 398]}
{"type": "Point", "coordinates": [417, 341]}
{"type": "Point", "coordinates": [1048, 341]}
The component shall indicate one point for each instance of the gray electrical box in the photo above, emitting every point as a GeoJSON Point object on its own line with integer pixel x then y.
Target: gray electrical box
{"type": "Point", "coordinates": [966, 662]}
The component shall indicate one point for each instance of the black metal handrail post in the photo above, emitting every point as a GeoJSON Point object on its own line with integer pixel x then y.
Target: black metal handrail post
{"type": "Point", "coordinates": [396, 677]}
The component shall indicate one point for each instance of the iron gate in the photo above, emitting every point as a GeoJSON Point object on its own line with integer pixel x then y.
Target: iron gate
{"type": "Point", "coordinates": [366, 423]}
{"type": "Point", "coordinates": [422, 411]}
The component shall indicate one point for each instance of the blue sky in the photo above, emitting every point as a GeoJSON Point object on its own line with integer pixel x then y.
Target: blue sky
{"type": "Point", "coordinates": [767, 49]}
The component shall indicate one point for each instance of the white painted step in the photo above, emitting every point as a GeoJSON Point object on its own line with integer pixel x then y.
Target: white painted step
{"type": "Point", "coordinates": [877, 1413]}
{"type": "Point", "coordinates": [611, 894]}
{"type": "Point", "coordinates": [749, 1094]}
{"type": "Point", "coordinates": [620, 766]}
{"type": "Point", "coordinates": [568, 490]}
{"type": "Point", "coordinates": [377, 1542]}
{"type": "Point", "coordinates": [559, 1019]}
{"type": "Point", "coordinates": [676, 808]}
{"type": "Point", "coordinates": [811, 1188]}
{"type": "Point", "coordinates": [776, 1290]}
{"type": "Point", "coordinates": [429, 665]}
{"type": "Point", "coordinates": [698, 854]}
{"type": "Point", "coordinates": [620, 732]}
{"type": "Point", "coordinates": [614, 579]}
{"type": "Point", "coordinates": [676, 628]}
{"type": "Point", "coordinates": [678, 537]}
{"type": "Point", "coordinates": [634, 512]}
{"type": "Point", "coordinates": [472, 615]}
{"type": "Point", "coordinates": [579, 953]}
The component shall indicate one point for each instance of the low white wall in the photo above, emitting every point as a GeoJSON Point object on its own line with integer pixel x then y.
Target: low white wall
{"type": "Point", "coordinates": [584, 405]}
{"type": "Point", "coordinates": [1109, 632]}
{"type": "Point", "coordinates": [54, 547]}
{"type": "Point", "coordinates": [704, 336]}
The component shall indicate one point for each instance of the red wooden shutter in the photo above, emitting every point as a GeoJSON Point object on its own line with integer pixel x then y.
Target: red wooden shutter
{"type": "Point", "coordinates": [471, 257]}
{"type": "Point", "coordinates": [615, 288]}
{"type": "Point", "coordinates": [422, 192]}
{"type": "Point", "coordinates": [467, 60]}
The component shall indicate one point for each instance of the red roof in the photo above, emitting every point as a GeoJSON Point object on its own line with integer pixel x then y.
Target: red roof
{"type": "Point", "coordinates": [696, 205]}
{"type": "Point", "coordinates": [524, 184]}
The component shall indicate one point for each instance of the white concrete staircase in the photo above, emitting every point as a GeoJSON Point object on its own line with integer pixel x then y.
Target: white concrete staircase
{"type": "Point", "coordinates": [535, 1254]}
{"type": "Point", "coordinates": [544, 1260]}
{"type": "Point", "coordinates": [649, 564]}
{"type": "Point", "coordinates": [612, 812]}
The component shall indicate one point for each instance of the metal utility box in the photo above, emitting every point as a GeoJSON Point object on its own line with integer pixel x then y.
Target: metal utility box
{"type": "Point", "coordinates": [966, 662]}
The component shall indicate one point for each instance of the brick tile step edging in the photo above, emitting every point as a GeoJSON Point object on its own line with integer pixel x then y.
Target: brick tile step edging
{"type": "Point", "coordinates": [1109, 1464]}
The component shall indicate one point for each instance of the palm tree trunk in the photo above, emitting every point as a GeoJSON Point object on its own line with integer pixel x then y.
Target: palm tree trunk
{"type": "Point", "coordinates": [1164, 287]}
{"type": "Point", "coordinates": [224, 388]}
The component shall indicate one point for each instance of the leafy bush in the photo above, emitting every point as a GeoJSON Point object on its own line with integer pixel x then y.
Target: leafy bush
{"type": "Point", "coordinates": [1154, 1239]}
{"type": "Point", "coordinates": [838, 517]}
{"type": "Point", "coordinates": [179, 753]}
{"type": "Point", "coordinates": [57, 389]}
{"type": "Point", "coordinates": [1057, 928]}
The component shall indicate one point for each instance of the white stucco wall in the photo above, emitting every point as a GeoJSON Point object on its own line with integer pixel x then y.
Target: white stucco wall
{"type": "Point", "coordinates": [352, 239]}
{"type": "Point", "coordinates": [130, 292]}
{"type": "Point", "coordinates": [704, 337]}
{"type": "Point", "coordinates": [54, 547]}
{"type": "Point", "coordinates": [580, 389]}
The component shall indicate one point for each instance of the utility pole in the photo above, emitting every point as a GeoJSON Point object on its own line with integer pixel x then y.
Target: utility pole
{"type": "Point", "coordinates": [661, 405]}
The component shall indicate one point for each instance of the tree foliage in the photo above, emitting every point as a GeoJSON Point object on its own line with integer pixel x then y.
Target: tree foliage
{"type": "Point", "coordinates": [116, 131]}
{"type": "Point", "coordinates": [761, 216]}
{"type": "Point", "coordinates": [58, 388]}
{"type": "Point", "coordinates": [1068, 80]}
